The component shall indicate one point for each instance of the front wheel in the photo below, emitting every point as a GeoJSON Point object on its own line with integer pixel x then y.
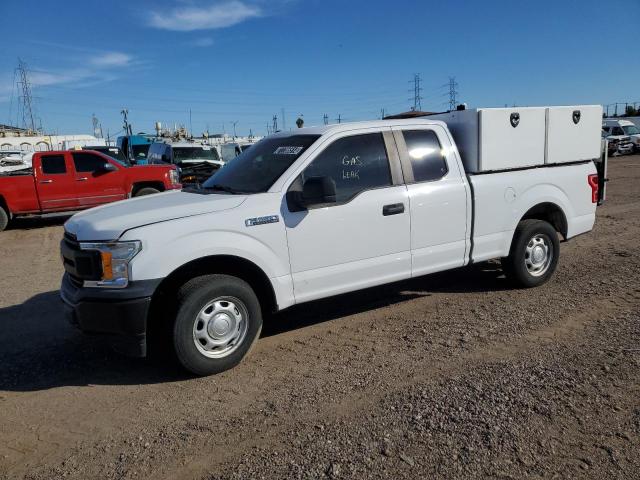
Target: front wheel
{"type": "Point", "coordinates": [146, 191]}
{"type": "Point", "coordinates": [219, 319]}
{"type": "Point", "coordinates": [534, 254]}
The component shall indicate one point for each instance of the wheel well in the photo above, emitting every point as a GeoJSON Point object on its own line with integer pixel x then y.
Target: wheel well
{"type": "Point", "coordinates": [549, 212]}
{"type": "Point", "coordinates": [163, 300]}
{"type": "Point", "coordinates": [140, 185]}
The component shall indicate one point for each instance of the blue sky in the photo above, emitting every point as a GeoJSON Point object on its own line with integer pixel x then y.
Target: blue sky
{"type": "Point", "coordinates": [245, 60]}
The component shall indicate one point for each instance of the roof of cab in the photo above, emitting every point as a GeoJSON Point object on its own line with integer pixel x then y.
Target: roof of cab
{"type": "Point", "coordinates": [346, 126]}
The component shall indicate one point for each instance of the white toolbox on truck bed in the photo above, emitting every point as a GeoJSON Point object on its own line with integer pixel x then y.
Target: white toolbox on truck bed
{"type": "Point", "coordinates": [491, 139]}
{"type": "Point", "coordinates": [573, 133]}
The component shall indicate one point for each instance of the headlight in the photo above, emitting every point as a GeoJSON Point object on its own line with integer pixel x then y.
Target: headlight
{"type": "Point", "coordinates": [174, 177]}
{"type": "Point", "coordinates": [115, 258]}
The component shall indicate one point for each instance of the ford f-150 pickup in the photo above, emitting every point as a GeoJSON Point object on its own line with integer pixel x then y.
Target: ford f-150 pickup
{"type": "Point", "coordinates": [326, 210]}
{"type": "Point", "coordinates": [76, 180]}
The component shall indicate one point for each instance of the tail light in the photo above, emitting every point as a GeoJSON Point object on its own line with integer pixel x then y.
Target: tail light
{"type": "Point", "coordinates": [593, 183]}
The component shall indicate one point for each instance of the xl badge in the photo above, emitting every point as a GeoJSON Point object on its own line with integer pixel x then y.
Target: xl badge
{"type": "Point", "coordinates": [252, 222]}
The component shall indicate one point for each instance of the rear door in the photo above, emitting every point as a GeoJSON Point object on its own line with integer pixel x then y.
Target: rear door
{"type": "Point", "coordinates": [55, 182]}
{"type": "Point", "coordinates": [95, 185]}
{"type": "Point", "coordinates": [438, 198]}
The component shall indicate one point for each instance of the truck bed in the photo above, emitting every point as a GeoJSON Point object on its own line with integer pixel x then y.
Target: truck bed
{"type": "Point", "coordinates": [501, 199]}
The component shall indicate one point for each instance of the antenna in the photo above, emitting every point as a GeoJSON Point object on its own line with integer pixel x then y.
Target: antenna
{"type": "Point", "coordinates": [26, 98]}
{"type": "Point", "coordinates": [417, 98]}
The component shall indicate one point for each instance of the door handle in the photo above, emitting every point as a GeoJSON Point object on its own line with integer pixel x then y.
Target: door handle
{"type": "Point", "coordinates": [393, 209]}
{"type": "Point", "coordinates": [82, 179]}
{"type": "Point", "coordinates": [46, 181]}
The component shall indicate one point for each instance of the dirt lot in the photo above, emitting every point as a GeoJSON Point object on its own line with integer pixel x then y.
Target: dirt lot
{"type": "Point", "coordinates": [454, 375]}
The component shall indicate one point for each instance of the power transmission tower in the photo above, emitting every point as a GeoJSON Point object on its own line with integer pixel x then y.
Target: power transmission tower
{"type": "Point", "coordinates": [325, 119]}
{"type": "Point", "coordinates": [453, 85]}
{"type": "Point", "coordinates": [417, 98]}
{"type": "Point", "coordinates": [97, 127]}
{"type": "Point", "coordinates": [26, 98]}
{"type": "Point", "coordinates": [275, 124]}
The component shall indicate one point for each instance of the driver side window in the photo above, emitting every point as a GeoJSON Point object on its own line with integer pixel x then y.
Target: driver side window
{"type": "Point", "coordinates": [355, 164]}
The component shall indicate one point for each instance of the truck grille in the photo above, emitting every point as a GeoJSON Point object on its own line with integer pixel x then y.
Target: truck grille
{"type": "Point", "coordinates": [79, 264]}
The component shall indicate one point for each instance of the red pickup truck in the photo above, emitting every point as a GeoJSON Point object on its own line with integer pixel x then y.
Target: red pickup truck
{"type": "Point", "coordinates": [74, 180]}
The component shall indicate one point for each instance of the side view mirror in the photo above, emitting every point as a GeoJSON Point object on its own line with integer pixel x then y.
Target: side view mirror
{"type": "Point", "coordinates": [165, 158]}
{"type": "Point", "coordinates": [108, 167]}
{"type": "Point", "coordinates": [318, 191]}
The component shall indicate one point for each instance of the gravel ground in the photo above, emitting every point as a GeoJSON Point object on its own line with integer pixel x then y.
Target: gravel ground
{"type": "Point", "coordinates": [453, 375]}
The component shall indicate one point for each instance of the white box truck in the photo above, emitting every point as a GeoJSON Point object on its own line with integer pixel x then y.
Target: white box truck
{"type": "Point", "coordinates": [321, 211]}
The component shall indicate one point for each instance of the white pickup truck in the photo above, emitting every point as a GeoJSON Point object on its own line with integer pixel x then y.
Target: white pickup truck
{"type": "Point", "coordinates": [322, 211]}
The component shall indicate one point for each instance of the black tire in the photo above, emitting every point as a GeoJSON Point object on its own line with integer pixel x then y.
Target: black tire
{"type": "Point", "coordinates": [146, 191]}
{"type": "Point", "coordinates": [520, 266]}
{"type": "Point", "coordinates": [193, 297]}
{"type": "Point", "coordinates": [4, 219]}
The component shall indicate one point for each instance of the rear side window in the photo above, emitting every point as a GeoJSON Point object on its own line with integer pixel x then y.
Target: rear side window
{"type": "Point", "coordinates": [354, 163]}
{"type": "Point", "coordinates": [86, 162]}
{"type": "Point", "coordinates": [53, 164]}
{"type": "Point", "coordinates": [426, 156]}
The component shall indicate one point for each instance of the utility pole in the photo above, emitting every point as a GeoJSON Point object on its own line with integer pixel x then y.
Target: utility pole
{"type": "Point", "coordinates": [28, 119]}
{"type": "Point", "coordinates": [127, 125]}
{"type": "Point", "coordinates": [325, 118]}
{"type": "Point", "coordinates": [382, 115]}
{"type": "Point", "coordinates": [234, 123]}
{"type": "Point", "coordinates": [284, 123]}
{"type": "Point", "coordinates": [339, 118]}
{"type": "Point", "coordinates": [190, 125]}
{"type": "Point", "coordinates": [275, 124]}
{"type": "Point", "coordinates": [417, 98]}
{"type": "Point", "coordinates": [453, 85]}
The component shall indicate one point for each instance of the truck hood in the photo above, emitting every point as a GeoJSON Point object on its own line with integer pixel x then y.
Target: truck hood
{"type": "Point", "coordinates": [109, 222]}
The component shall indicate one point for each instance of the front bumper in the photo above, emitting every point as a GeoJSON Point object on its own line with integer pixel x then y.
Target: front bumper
{"type": "Point", "coordinates": [121, 314]}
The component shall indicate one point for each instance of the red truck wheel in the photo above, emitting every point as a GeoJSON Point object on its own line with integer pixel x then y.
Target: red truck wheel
{"type": "Point", "coordinates": [4, 219]}
{"type": "Point", "coordinates": [146, 191]}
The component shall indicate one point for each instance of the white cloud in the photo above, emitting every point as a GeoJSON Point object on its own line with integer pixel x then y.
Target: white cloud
{"type": "Point", "coordinates": [112, 59]}
{"type": "Point", "coordinates": [219, 15]}
{"type": "Point", "coordinates": [203, 42]}
{"type": "Point", "coordinates": [97, 68]}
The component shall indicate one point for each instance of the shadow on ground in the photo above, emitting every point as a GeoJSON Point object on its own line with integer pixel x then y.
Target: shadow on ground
{"type": "Point", "coordinates": [40, 350]}
{"type": "Point", "coordinates": [30, 223]}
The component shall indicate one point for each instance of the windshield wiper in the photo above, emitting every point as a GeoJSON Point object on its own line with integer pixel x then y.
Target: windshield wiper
{"type": "Point", "coordinates": [223, 188]}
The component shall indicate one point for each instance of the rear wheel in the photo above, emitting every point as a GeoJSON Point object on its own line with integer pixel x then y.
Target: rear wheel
{"type": "Point", "coordinates": [4, 219]}
{"type": "Point", "coordinates": [534, 254]}
{"type": "Point", "coordinates": [218, 321]}
{"type": "Point", "coordinates": [146, 191]}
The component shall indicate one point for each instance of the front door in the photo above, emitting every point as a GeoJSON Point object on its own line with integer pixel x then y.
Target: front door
{"type": "Point", "coordinates": [362, 239]}
{"type": "Point", "coordinates": [55, 183]}
{"type": "Point", "coordinates": [94, 185]}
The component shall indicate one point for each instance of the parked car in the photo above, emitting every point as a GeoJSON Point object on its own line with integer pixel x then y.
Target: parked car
{"type": "Point", "coordinates": [624, 131]}
{"type": "Point", "coordinates": [326, 210]}
{"type": "Point", "coordinates": [618, 145]}
{"type": "Point", "coordinates": [197, 162]}
{"type": "Point", "coordinates": [61, 181]}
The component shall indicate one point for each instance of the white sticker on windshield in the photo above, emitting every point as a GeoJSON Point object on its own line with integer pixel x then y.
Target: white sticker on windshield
{"type": "Point", "coordinates": [287, 150]}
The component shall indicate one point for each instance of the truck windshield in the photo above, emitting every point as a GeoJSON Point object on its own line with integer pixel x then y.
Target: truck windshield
{"type": "Point", "coordinates": [180, 154]}
{"type": "Point", "coordinates": [631, 130]}
{"type": "Point", "coordinates": [256, 169]}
